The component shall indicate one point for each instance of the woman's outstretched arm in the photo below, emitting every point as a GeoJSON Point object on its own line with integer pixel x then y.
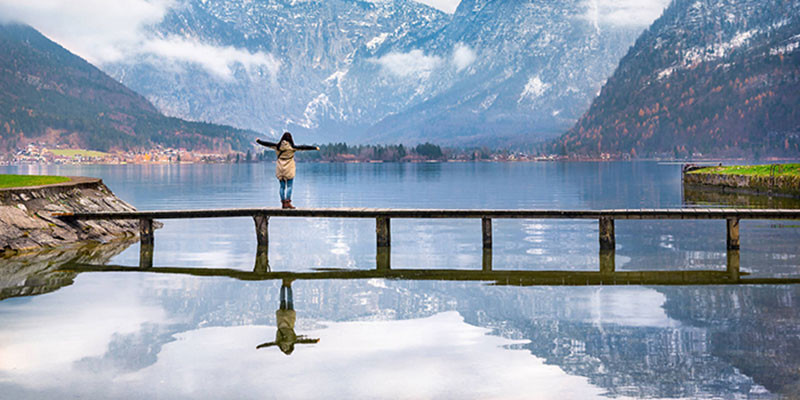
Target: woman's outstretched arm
{"type": "Point", "coordinates": [304, 147]}
{"type": "Point", "coordinates": [306, 340]}
{"type": "Point", "coordinates": [262, 345]}
{"type": "Point", "coordinates": [267, 144]}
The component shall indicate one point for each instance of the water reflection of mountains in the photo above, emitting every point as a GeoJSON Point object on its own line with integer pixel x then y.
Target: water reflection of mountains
{"type": "Point", "coordinates": [666, 341]}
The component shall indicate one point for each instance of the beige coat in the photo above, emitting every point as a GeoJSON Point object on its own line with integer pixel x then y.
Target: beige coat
{"type": "Point", "coordinates": [285, 321]}
{"type": "Point", "coordinates": [284, 167]}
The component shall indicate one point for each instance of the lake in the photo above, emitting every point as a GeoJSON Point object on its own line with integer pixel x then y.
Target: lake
{"type": "Point", "coordinates": [173, 336]}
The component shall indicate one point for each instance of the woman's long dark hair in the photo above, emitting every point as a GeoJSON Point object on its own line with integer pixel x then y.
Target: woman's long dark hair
{"type": "Point", "coordinates": [287, 137]}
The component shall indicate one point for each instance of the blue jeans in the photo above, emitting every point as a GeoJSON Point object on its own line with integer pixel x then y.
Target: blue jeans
{"type": "Point", "coordinates": [286, 298]}
{"type": "Point", "coordinates": [286, 189]}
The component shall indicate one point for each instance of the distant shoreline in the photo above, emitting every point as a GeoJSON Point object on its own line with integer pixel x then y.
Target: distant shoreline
{"type": "Point", "coordinates": [733, 161]}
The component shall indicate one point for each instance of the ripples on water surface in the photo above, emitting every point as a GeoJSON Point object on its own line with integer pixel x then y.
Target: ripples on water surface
{"type": "Point", "coordinates": [144, 335]}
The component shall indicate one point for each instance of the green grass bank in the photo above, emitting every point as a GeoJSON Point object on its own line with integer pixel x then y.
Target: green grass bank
{"type": "Point", "coordinates": [768, 179]}
{"type": "Point", "coordinates": [752, 170]}
{"type": "Point", "coordinates": [15, 181]}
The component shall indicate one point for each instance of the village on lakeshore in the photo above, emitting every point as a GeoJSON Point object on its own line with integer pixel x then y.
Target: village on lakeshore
{"type": "Point", "coordinates": [44, 154]}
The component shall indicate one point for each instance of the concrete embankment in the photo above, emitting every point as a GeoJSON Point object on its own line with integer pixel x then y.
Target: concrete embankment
{"type": "Point", "coordinates": [26, 222]}
{"type": "Point", "coordinates": [748, 184]}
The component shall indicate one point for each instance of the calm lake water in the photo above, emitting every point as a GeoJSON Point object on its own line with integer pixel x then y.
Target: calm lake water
{"type": "Point", "coordinates": [147, 335]}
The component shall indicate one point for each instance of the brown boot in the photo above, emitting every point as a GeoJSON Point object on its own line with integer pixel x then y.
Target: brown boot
{"type": "Point", "coordinates": [283, 204]}
{"type": "Point", "coordinates": [289, 205]}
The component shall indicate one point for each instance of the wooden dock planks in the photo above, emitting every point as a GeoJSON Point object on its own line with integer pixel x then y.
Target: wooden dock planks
{"type": "Point", "coordinates": [668, 213]}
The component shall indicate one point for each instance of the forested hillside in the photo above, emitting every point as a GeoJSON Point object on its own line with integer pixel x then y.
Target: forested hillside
{"type": "Point", "coordinates": [51, 96]}
{"type": "Point", "coordinates": [711, 77]}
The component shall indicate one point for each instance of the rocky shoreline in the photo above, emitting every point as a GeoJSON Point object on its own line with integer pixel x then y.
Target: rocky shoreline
{"type": "Point", "coordinates": [26, 221]}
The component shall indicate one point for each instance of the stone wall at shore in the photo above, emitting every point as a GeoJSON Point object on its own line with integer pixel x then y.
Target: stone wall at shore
{"type": "Point", "coordinates": [26, 222]}
{"type": "Point", "coordinates": [771, 185]}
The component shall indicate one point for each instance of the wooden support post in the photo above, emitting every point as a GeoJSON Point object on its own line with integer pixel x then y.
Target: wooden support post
{"type": "Point", "coordinates": [486, 224]}
{"type": "Point", "coordinates": [733, 233]}
{"type": "Point", "coordinates": [383, 232]}
{"type": "Point", "coordinates": [146, 231]}
{"type": "Point", "coordinates": [487, 259]}
{"type": "Point", "coordinates": [262, 260]}
{"type": "Point", "coordinates": [607, 239]}
{"type": "Point", "coordinates": [262, 229]}
{"type": "Point", "coordinates": [608, 245]}
{"type": "Point", "coordinates": [146, 243]}
{"type": "Point", "coordinates": [607, 263]}
{"type": "Point", "coordinates": [262, 240]}
{"type": "Point", "coordinates": [383, 259]}
{"type": "Point", "coordinates": [486, 228]}
{"type": "Point", "coordinates": [733, 264]}
{"type": "Point", "coordinates": [145, 256]}
{"type": "Point", "coordinates": [384, 242]}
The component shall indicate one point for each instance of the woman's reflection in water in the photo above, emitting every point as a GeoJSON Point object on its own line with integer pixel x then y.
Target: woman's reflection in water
{"type": "Point", "coordinates": [285, 338]}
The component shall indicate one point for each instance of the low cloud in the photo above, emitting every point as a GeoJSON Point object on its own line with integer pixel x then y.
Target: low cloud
{"type": "Point", "coordinates": [104, 31]}
{"type": "Point", "coordinates": [635, 13]}
{"type": "Point", "coordinates": [463, 56]}
{"type": "Point", "coordinates": [97, 30]}
{"type": "Point", "coordinates": [218, 60]}
{"type": "Point", "coordinates": [448, 6]}
{"type": "Point", "coordinates": [417, 63]}
{"type": "Point", "coordinates": [413, 63]}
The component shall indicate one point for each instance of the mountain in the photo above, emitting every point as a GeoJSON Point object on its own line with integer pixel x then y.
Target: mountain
{"type": "Point", "coordinates": [538, 64]}
{"type": "Point", "coordinates": [385, 71]}
{"type": "Point", "coordinates": [49, 95]}
{"type": "Point", "coordinates": [715, 77]}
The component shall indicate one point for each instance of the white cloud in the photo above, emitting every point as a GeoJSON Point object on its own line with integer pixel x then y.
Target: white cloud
{"type": "Point", "coordinates": [417, 63]}
{"type": "Point", "coordinates": [85, 327]}
{"type": "Point", "coordinates": [463, 56]}
{"type": "Point", "coordinates": [413, 63]}
{"type": "Point", "coordinates": [218, 60]}
{"type": "Point", "coordinates": [623, 12]}
{"type": "Point", "coordinates": [436, 357]}
{"type": "Point", "coordinates": [104, 31]}
{"type": "Point", "coordinates": [97, 30]}
{"type": "Point", "coordinates": [448, 6]}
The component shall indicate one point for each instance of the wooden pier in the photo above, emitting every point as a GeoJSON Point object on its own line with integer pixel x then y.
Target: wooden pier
{"type": "Point", "coordinates": [383, 217]}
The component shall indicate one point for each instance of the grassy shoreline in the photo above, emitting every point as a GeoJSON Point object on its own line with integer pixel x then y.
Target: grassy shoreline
{"type": "Point", "coordinates": [15, 181]}
{"type": "Point", "coordinates": [752, 170]}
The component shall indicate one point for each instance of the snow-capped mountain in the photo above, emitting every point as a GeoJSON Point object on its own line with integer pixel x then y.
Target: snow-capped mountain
{"type": "Point", "coordinates": [388, 71]}
{"type": "Point", "coordinates": [713, 77]}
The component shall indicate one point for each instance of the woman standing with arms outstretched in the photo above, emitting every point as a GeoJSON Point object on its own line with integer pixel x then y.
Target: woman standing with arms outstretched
{"type": "Point", "coordinates": [285, 168]}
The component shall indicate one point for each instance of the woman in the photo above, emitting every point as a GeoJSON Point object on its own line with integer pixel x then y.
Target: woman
{"type": "Point", "coordinates": [284, 168]}
{"type": "Point", "coordinates": [285, 337]}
